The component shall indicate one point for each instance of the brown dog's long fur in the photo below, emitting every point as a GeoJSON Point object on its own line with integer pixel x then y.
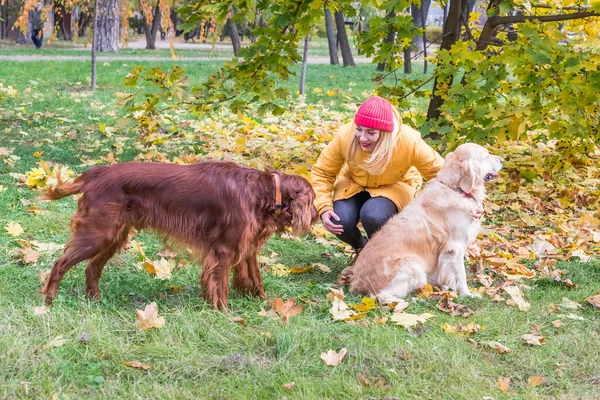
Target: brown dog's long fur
{"type": "Point", "coordinates": [225, 212]}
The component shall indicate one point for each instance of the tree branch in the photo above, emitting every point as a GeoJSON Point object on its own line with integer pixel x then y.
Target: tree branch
{"type": "Point", "coordinates": [513, 19]}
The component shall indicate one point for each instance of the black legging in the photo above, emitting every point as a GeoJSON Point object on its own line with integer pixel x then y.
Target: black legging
{"type": "Point", "coordinates": [373, 212]}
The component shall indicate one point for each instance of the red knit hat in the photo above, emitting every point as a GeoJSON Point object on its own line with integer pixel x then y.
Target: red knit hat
{"type": "Point", "coordinates": [375, 113]}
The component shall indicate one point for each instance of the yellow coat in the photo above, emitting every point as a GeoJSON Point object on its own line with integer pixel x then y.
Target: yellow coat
{"type": "Point", "coordinates": [399, 183]}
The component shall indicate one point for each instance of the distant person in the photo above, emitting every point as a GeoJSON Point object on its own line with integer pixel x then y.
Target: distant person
{"type": "Point", "coordinates": [37, 25]}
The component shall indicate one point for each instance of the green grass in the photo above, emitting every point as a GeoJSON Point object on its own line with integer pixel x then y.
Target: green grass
{"type": "Point", "coordinates": [201, 353]}
{"type": "Point", "coordinates": [318, 47]}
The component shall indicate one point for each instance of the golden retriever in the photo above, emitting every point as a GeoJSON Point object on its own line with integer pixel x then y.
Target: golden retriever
{"type": "Point", "coordinates": [426, 242]}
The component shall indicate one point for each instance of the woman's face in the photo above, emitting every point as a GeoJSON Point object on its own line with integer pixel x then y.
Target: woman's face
{"type": "Point", "coordinates": [367, 137]}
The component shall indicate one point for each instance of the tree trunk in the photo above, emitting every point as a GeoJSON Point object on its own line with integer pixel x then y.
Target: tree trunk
{"type": "Point", "coordinates": [343, 40]}
{"type": "Point", "coordinates": [4, 28]}
{"type": "Point", "coordinates": [419, 15]}
{"type": "Point", "coordinates": [407, 61]}
{"type": "Point", "coordinates": [331, 40]}
{"type": "Point", "coordinates": [304, 62]}
{"type": "Point", "coordinates": [151, 30]}
{"type": "Point", "coordinates": [424, 39]}
{"type": "Point", "coordinates": [94, 39]}
{"type": "Point", "coordinates": [451, 35]}
{"type": "Point", "coordinates": [109, 20]}
{"type": "Point", "coordinates": [391, 37]}
{"type": "Point", "coordinates": [233, 34]}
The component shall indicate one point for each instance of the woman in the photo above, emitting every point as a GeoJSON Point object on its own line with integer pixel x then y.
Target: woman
{"type": "Point", "coordinates": [370, 171]}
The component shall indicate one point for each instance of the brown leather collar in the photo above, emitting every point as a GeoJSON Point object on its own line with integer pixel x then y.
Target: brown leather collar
{"type": "Point", "coordinates": [278, 204]}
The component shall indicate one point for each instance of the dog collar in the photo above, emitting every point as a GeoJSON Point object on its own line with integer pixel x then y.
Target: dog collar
{"type": "Point", "coordinates": [278, 205]}
{"type": "Point", "coordinates": [467, 195]}
{"type": "Point", "coordinates": [459, 190]}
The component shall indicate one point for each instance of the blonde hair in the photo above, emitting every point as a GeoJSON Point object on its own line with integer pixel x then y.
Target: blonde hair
{"type": "Point", "coordinates": [381, 155]}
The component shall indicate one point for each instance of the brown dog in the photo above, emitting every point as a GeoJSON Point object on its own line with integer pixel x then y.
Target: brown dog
{"type": "Point", "coordinates": [225, 212]}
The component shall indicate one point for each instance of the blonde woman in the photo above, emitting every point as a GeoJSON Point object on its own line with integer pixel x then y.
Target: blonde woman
{"type": "Point", "coordinates": [371, 169]}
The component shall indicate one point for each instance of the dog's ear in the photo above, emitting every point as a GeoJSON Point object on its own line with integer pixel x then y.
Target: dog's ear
{"type": "Point", "coordinates": [468, 175]}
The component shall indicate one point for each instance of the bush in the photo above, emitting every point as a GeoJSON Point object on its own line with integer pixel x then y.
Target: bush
{"type": "Point", "coordinates": [433, 34]}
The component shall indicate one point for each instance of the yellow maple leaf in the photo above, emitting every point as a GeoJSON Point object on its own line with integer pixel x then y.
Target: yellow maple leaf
{"type": "Point", "coordinates": [14, 229]}
{"type": "Point", "coordinates": [148, 318]}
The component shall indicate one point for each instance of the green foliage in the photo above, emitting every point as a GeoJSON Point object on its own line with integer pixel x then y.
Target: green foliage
{"type": "Point", "coordinates": [536, 88]}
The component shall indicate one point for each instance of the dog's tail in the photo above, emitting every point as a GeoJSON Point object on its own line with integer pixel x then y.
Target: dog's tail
{"type": "Point", "coordinates": [62, 189]}
{"type": "Point", "coordinates": [65, 189]}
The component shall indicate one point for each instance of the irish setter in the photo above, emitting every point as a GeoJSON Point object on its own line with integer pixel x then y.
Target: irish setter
{"type": "Point", "coordinates": [224, 211]}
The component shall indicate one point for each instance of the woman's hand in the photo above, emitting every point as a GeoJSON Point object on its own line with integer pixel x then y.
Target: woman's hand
{"type": "Point", "coordinates": [328, 218]}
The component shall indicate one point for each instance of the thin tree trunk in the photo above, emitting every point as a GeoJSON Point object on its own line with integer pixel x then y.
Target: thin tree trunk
{"type": "Point", "coordinates": [4, 20]}
{"type": "Point", "coordinates": [331, 40]}
{"type": "Point", "coordinates": [109, 21]}
{"type": "Point", "coordinates": [233, 34]}
{"type": "Point", "coordinates": [451, 35]}
{"type": "Point", "coordinates": [391, 37]}
{"type": "Point", "coordinates": [151, 30]}
{"type": "Point", "coordinates": [424, 19]}
{"type": "Point", "coordinates": [343, 40]}
{"type": "Point", "coordinates": [419, 15]}
{"type": "Point", "coordinates": [94, 38]}
{"type": "Point", "coordinates": [407, 61]}
{"type": "Point", "coordinates": [304, 62]}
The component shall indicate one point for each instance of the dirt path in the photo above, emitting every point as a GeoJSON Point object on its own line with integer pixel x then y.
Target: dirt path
{"type": "Point", "coordinates": [103, 58]}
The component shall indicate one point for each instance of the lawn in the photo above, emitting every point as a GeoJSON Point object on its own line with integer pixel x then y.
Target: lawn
{"type": "Point", "coordinates": [77, 350]}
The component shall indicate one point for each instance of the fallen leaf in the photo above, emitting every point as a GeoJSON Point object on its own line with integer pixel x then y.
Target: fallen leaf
{"type": "Point", "coordinates": [426, 291]}
{"type": "Point", "coordinates": [503, 384]}
{"type": "Point", "coordinates": [41, 310]}
{"type": "Point", "coordinates": [322, 267]}
{"type": "Point", "coordinates": [418, 329]}
{"type": "Point", "coordinates": [498, 347]}
{"type": "Point", "coordinates": [405, 319]}
{"type": "Point", "coordinates": [594, 301]}
{"type": "Point", "coordinates": [286, 309]}
{"type": "Point", "coordinates": [47, 247]}
{"type": "Point", "coordinates": [279, 270]}
{"type": "Point", "coordinates": [239, 320]}
{"type": "Point", "coordinates": [558, 323]}
{"type": "Point", "coordinates": [367, 305]}
{"type": "Point", "coordinates": [160, 269]}
{"type": "Point", "coordinates": [137, 364]}
{"type": "Point", "coordinates": [340, 310]}
{"type": "Point", "coordinates": [301, 270]}
{"type": "Point", "coordinates": [288, 385]}
{"type": "Point", "coordinates": [471, 327]}
{"type": "Point", "coordinates": [535, 381]}
{"type": "Point", "coordinates": [581, 255]}
{"type": "Point", "coordinates": [367, 382]}
{"type": "Point", "coordinates": [36, 210]}
{"type": "Point", "coordinates": [149, 318]}
{"type": "Point", "coordinates": [264, 313]}
{"type": "Point", "coordinates": [575, 317]}
{"type": "Point", "coordinates": [14, 229]}
{"type": "Point", "coordinates": [333, 358]}
{"type": "Point", "coordinates": [536, 329]}
{"type": "Point", "coordinates": [569, 304]}
{"type": "Point", "coordinates": [516, 298]}
{"type": "Point", "coordinates": [30, 256]}
{"type": "Point", "coordinates": [533, 339]}
{"type": "Point", "coordinates": [380, 321]}
{"type": "Point", "coordinates": [166, 252]}
{"type": "Point", "coordinates": [333, 293]}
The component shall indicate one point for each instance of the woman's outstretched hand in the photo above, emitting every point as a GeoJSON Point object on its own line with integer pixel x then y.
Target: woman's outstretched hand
{"type": "Point", "coordinates": [328, 218]}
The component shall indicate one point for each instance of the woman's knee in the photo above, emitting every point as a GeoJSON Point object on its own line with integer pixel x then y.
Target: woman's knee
{"type": "Point", "coordinates": [375, 214]}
